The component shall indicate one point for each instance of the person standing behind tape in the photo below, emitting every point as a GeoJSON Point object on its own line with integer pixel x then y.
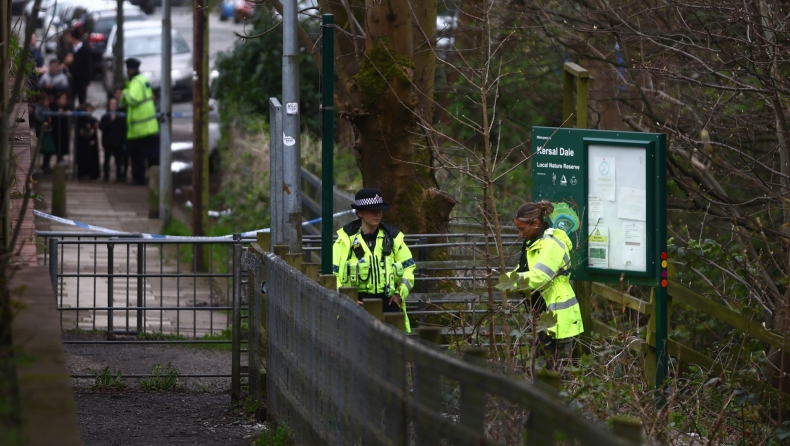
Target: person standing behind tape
{"type": "Point", "coordinates": [545, 262]}
{"type": "Point", "coordinates": [142, 125]}
{"type": "Point", "coordinates": [372, 256]}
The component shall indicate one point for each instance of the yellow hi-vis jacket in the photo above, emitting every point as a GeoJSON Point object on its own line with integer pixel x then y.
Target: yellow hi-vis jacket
{"type": "Point", "coordinates": [374, 272]}
{"type": "Point", "coordinates": [138, 98]}
{"type": "Point", "coordinates": [548, 259]}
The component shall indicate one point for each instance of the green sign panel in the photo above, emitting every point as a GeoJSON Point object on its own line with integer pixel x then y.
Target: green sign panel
{"type": "Point", "coordinates": [609, 195]}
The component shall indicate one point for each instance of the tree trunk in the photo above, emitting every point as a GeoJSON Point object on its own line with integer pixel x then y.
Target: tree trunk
{"type": "Point", "coordinates": [382, 102]}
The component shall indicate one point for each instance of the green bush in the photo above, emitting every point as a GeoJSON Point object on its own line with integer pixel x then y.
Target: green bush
{"type": "Point", "coordinates": [160, 380]}
{"type": "Point", "coordinates": [106, 380]}
{"type": "Point", "coordinates": [273, 437]}
{"type": "Point", "coordinates": [251, 73]}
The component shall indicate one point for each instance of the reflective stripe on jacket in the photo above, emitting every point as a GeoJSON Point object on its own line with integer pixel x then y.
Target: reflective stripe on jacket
{"type": "Point", "coordinates": [549, 261]}
{"type": "Point", "coordinates": [138, 98]}
{"type": "Point", "coordinates": [375, 272]}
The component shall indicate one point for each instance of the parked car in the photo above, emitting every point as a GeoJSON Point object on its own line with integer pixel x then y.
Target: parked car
{"type": "Point", "coordinates": [227, 9]}
{"type": "Point", "coordinates": [143, 40]}
{"type": "Point", "coordinates": [98, 17]}
{"type": "Point", "coordinates": [146, 5]}
{"type": "Point", "coordinates": [242, 9]}
{"type": "Point", "coordinates": [17, 7]}
{"type": "Point", "coordinates": [48, 24]}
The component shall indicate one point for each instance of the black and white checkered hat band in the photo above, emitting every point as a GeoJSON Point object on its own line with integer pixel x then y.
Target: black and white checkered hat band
{"type": "Point", "coordinates": [369, 201]}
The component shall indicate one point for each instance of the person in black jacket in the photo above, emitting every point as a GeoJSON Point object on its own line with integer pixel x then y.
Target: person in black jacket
{"type": "Point", "coordinates": [113, 139]}
{"type": "Point", "coordinates": [87, 144]}
{"type": "Point", "coordinates": [61, 125]}
{"type": "Point", "coordinates": [81, 64]}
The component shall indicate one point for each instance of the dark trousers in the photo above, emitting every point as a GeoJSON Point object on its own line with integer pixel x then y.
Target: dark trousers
{"type": "Point", "coordinates": [138, 149]}
{"type": "Point", "coordinates": [45, 157]}
{"type": "Point", "coordinates": [121, 161]}
{"type": "Point", "coordinates": [388, 308]}
{"type": "Point", "coordinates": [80, 92]}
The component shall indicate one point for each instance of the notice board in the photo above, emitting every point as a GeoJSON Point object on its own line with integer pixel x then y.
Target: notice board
{"type": "Point", "coordinates": [615, 182]}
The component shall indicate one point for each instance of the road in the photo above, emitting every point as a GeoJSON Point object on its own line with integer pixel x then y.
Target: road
{"type": "Point", "coordinates": [221, 38]}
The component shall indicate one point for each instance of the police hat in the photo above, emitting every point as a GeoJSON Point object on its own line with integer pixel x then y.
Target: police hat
{"type": "Point", "coordinates": [369, 199]}
{"type": "Point", "coordinates": [133, 63]}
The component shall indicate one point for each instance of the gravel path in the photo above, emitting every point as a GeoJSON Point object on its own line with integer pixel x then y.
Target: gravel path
{"type": "Point", "coordinates": [198, 412]}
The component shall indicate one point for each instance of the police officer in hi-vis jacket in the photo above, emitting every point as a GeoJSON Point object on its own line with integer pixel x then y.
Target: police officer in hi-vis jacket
{"type": "Point", "coordinates": [372, 256]}
{"type": "Point", "coordinates": [545, 263]}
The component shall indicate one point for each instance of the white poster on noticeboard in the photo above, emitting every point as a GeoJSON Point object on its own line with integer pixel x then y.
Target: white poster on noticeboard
{"type": "Point", "coordinates": [634, 249]}
{"type": "Point", "coordinates": [632, 204]}
{"type": "Point", "coordinates": [617, 192]}
{"type": "Point", "coordinates": [604, 177]}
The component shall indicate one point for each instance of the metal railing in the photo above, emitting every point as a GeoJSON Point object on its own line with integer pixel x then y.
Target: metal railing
{"type": "Point", "coordinates": [337, 375]}
{"type": "Point", "coordinates": [149, 291]}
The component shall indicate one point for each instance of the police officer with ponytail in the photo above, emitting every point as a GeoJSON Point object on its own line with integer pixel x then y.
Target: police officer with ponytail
{"type": "Point", "coordinates": [545, 262]}
{"type": "Point", "coordinates": [372, 256]}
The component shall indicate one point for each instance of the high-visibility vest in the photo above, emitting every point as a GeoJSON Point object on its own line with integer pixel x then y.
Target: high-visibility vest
{"type": "Point", "coordinates": [138, 98]}
{"type": "Point", "coordinates": [548, 259]}
{"type": "Point", "coordinates": [374, 272]}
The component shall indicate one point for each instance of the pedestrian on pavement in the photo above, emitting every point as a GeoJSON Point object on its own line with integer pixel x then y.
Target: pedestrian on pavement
{"type": "Point", "coordinates": [545, 262]}
{"type": "Point", "coordinates": [37, 58]}
{"type": "Point", "coordinates": [372, 256]}
{"type": "Point", "coordinates": [54, 81]}
{"type": "Point", "coordinates": [142, 134]}
{"type": "Point", "coordinates": [43, 125]}
{"type": "Point", "coordinates": [87, 148]}
{"type": "Point", "coordinates": [61, 125]}
{"type": "Point", "coordinates": [113, 140]}
{"type": "Point", "coordinates": [81, 64]}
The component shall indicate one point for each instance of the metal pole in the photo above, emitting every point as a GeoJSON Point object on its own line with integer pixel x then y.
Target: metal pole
{"type": "Point", "coordinates": [662, 297]}
{"type": "Point", "coordinates": [165, 155]}
{"type": "Point", "coordinates": [119, 74]}
{"type": "Point", "coordinates": [140, 285]}
{"type": "Point", "coordinates": [110, 250]}
{"type": "Point", "coordinates": [200, 133]}
{"type": "Point", "coordinates": [53, 265]}
{"type": "Point", "coordinates": [292, 213]}
{"type": "Point", "coordinates": [327, 141]}
{"type": "Point", "coordinates": [235, 382]}
{"type": "Point", "coordinates": [275, 174]}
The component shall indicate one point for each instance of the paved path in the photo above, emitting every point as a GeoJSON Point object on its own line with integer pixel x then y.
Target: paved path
{"type": "Point", "coordinates": [121, 207]}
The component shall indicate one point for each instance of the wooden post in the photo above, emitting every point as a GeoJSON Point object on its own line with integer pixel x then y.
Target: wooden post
{"type": "Point", "coordinates": [281, 251]}
{"type": "Point", "coordinates": [627, 428]}
{"type": "Point", "coordinates": [59, 191]}
{"type": "Point", "coordinates": [375, 307]}
{"type": "Point", "coordinates": [264, 240]}
{"type": "Point", "coordinates": [583, 290]}
{"type": "Point", "coordinates": [551, 379]}
{"type": "Point", "coordinates": [350, 291]}
{"type": "Point", "coordinates": [310, 270]}
{"type": "Point", "coordinates": [294, 260]}
{"type": "Point", "coordinates": [430, 334]}
{"type": "Point", "coordinates": [473, 400]}
{"type": "Point", "coordinates": [573, 73]}
{"type": "Point", "coordinates": [397, 320]}
{"type": "Point", "coordinates": [427, 390]}
{"type": "Point", "coordinates": [650, 341]}
{"type": "Point", "coordinates": [328, 281]}
{"type": "Point", "coordinates": [539, 430]}
{"type": "Point", "coordinates": [153, 192]}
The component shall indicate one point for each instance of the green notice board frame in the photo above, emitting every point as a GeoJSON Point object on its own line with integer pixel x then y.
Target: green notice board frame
{"type": "Point", "coordinates": [564, 169]}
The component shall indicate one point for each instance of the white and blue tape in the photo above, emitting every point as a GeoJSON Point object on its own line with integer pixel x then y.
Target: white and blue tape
{"type": "Point", "coordinates": [66, 221]}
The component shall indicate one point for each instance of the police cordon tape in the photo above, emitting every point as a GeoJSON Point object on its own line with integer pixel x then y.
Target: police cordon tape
{"type": "Point", "coordinates": [81, 114]}
{"type": "Point", "coordinates": [66, 221]}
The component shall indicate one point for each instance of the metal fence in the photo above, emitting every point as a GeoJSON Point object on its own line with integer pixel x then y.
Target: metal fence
{"type": "Point", "coordinates": [337, 375]}
{"type": "Point", "coordinates": [149, 291]}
